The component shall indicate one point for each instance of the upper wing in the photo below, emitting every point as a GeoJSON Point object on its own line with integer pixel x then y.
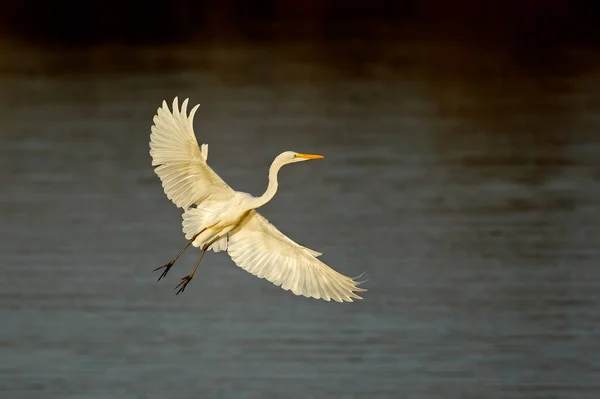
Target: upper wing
{"type": "Point", "coordinates": [258, 247]}
{"type": "Point", "coordinates": [182, 168]}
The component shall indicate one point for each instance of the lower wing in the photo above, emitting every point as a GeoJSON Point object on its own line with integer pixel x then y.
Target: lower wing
{"type": "Point", "coordinates": [258, 247]}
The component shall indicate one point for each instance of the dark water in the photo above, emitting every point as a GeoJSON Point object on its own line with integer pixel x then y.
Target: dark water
{"type": "Point", "coordinates": [467, 191]}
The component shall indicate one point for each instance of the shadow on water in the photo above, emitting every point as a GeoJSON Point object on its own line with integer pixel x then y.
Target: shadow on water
{"type": "Point", "coordinates": [465, 185]}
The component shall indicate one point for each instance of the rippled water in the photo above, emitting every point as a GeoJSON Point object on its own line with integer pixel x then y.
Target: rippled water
{"type": "Point", "coordinates": [471, 201]}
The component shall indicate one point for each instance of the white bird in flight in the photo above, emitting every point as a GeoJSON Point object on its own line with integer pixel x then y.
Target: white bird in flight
{"type": "Point", "coordinates": [219, 218]}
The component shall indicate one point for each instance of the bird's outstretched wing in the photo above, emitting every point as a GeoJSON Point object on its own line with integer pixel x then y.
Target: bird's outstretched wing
{"type": "Point", "coordinates": [258, 247]}
{"type": "Point", "coordinates": [180, 164]}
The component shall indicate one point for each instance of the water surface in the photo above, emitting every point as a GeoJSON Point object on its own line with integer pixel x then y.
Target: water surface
{"type": "Point", "coordinates": [469, 195]}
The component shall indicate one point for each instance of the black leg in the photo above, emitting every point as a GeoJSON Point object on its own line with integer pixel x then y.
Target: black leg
{"type": "Point", "coordinates": [168, 266]}
{"type": "Point", "coordinates": [186, 279]}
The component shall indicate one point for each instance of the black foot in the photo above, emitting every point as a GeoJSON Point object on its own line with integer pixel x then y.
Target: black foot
{"type": "Point", "coordinates": [167, 267]}
{"type": "Point", "coordinates": [184, 282]}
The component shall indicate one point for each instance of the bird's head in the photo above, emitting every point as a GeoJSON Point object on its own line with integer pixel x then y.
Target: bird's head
{"type": "Point", "coordinates": [291, 157]}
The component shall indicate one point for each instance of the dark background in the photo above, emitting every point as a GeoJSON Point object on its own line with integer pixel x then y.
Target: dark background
{"type": "Point", "coordinates": [526, 23]}
{"type": "Point", "coordinates": [461, 175]}
{"type": "Point", "coordinates": [534, 36]}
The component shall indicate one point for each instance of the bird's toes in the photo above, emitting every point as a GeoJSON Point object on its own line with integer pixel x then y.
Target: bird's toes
{"type": "Point", "coordinates": [182, 284]}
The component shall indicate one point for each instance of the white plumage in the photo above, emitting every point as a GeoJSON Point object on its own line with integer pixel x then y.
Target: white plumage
{"type": "Point", "coordinates": [181, 165]}
{"type": "Point", "coordinates": [220, 218]}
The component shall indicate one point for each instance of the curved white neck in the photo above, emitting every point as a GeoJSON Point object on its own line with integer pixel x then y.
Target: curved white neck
{"type": "Point", "coordinates": [271, 188]}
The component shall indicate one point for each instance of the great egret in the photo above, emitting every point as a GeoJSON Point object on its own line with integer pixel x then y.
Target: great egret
{"type": "Point", "coordinates": [219, 218]}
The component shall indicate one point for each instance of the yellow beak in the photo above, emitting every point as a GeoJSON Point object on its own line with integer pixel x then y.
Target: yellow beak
{"type": "Point", "coordinates": [309, 156]}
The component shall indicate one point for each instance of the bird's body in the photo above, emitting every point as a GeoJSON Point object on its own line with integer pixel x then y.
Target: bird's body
{"type": "Point", "coordinates": [219, 218]}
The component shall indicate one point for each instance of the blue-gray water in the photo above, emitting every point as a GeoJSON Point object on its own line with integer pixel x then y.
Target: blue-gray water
{"type": "Point", "coordinates": [470, 199]}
